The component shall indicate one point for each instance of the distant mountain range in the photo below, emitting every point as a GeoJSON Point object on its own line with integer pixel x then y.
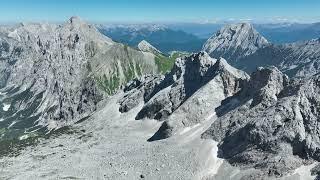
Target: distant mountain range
{"type": "Point", "coordinates": [288, 33]}
{"type": "Point", "coordinates": [274, 32]}
{"type": "Point", "coordinates": [191, 36]}
{"type": "Point", "coordinates": [162, 37]}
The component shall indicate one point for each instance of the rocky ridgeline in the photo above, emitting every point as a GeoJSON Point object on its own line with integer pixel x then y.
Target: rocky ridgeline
{"type": "Point", "coordinates": [54, 75]}
{"type": "Point", "coordinates": [273, 126]}
{"type": "Point", "coordinates": [266, 121]}
{"type": "Point", "coordinates": [303, 58]}
{"type": "Point", "coordinates": [246, 49]}
{"type": "Point", "coordinates": [185, 95]}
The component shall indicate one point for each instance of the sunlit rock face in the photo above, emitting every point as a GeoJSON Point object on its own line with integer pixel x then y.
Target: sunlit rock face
{"type": "Point", "coordinates": [54, 75]}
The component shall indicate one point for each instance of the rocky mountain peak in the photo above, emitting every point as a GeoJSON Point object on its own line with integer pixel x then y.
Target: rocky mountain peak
{"type": "Point", "coordinates": [76, 25]}
{"type": "Point", "coordinates": [202, 57]}
{"type": "Point", "coordinates": [76, 20]}
{"type": "Point", "coordinates": [147, 47]}
{"type": "Point", "coordinates": [192, 67]}
{"type": "Point", "coordinates": [65, 70]}
{"type": "Point", "coordinates": [193, 80]}
{"type": "Point", "coordinates": [234, 41]}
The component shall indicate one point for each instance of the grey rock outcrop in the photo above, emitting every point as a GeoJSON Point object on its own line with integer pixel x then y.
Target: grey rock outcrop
{"type": "Point", "coordinates": [185, 78]}
{"type": "Point", "coordinates": [188, 75]}
{"type": "Point", "coordinates": [274, 124]}
{"type": "Point", "coordinates": [224, 82]}
{"type": "Point", "coordinates": [138, 90]}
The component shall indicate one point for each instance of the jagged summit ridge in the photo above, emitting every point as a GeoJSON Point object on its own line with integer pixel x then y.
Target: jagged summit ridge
{"type": "Point", "coordinates": [234, 41]}
{"type": "Point", "coordinates": [193, 80]}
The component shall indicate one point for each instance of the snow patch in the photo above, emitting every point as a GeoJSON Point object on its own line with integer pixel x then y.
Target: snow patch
{"type": "Point", "coordinates": [209, 157]}
{"type": "Point", "coordinates": [216, 162]}
{"type": "Point", "coordinates": [304, 172]}
{"type": "Point", "coordinates": [14, 35]}
{"type": "Point", "coordinates": [13, 123]}
{"type": "Point", "coordinates": [6, 107]}
{"type": "Point", "coordinates": [24, 137]}
{"type": "Point", "coordinates": [187, 129]}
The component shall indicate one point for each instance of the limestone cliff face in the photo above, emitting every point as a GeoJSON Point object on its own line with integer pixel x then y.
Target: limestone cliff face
{"type": "Point", "coordinates": [274, 124]}
{"type": "Point", "coordinates": [265, 121]}
{"type": "Point", "coordinates": [54, 75]}
{"type": "Point", "coordinates": [184, 97]}
{"type": "Point", "coordinates": [234, 42]}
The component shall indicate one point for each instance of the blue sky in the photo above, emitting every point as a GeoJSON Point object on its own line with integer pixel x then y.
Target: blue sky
{"type": "Point", "coordinates": [159, 10]}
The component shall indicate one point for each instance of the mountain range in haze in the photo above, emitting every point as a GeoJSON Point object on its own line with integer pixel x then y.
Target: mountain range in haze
{"type": "Point", "coordinates": [191, 36]}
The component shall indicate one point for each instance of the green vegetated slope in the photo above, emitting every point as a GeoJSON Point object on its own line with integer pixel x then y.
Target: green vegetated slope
{"type": "Point", "coordinates": [114, 66]}
{"type": "Point", "coordinates": [165, 63]}
{"type": "Point", "coordinates": [117, 66]}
